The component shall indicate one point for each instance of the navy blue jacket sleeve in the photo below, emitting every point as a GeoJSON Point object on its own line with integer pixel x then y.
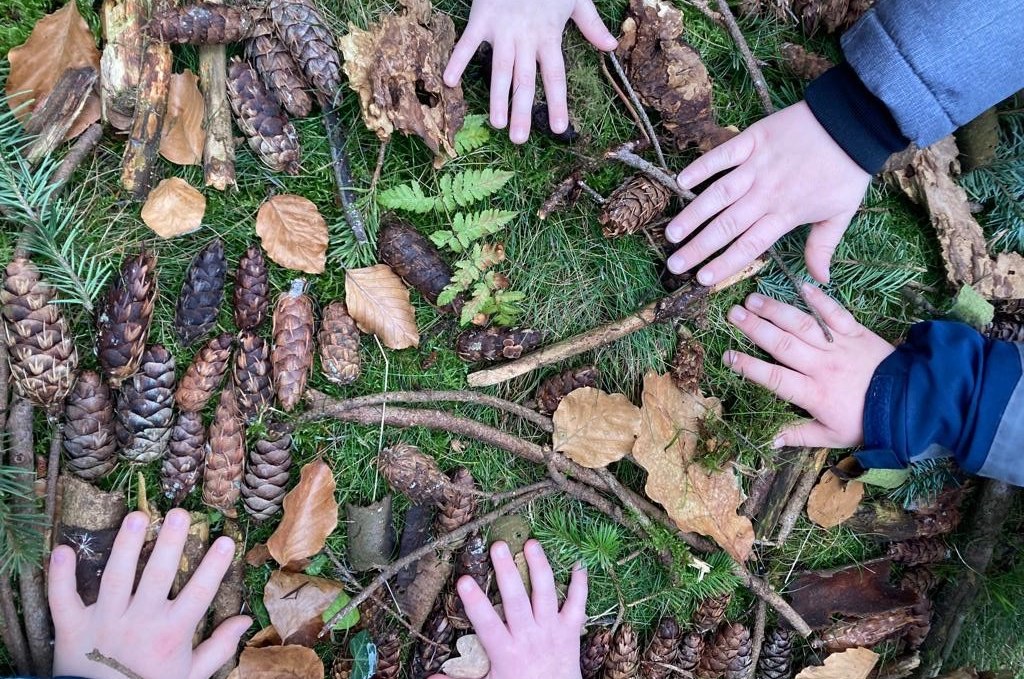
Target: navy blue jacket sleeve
{"type": "Point", "coordinates": [948, 391]}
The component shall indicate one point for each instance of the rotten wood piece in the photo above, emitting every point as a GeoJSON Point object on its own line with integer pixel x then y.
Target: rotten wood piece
{"type": "Point", "coordinates": [89, 521]}
{"type": "Point", "coordinates": [53, 117]}
{"type": "Point", "coordinates": [792, 463]}
{"type": "Point", "coordinates": [219, 148]}
{"type": "Point", "coordinates": [120, 64]}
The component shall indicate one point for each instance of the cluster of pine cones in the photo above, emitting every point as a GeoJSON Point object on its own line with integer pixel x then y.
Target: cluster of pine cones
{"type": "Point", "coordinates": [289, 51]}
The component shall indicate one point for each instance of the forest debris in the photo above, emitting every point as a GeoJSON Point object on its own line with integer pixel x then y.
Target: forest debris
{"type": "Point", "coordinates": [496, 344]}
{"type": "Point", "coordinates": [89, 521]}
{"type": "Point", "coordinates": [271, 136]}
{"type": "Point", "coordinates": [311, 42]}
{"type": "Point", "coordinates": [422, 594]}
{"type": "Point", "coordinates": [371, 537]}
{"type": "Point", "coordinates": [595, 428]}
{"type": "Point", "coordinates": [918, 551]}
{"type": "Point", "coordinates": [436, 646]}
{"type": "Point", "coordinates": [145, 406]}
{"type": "Point", "coordinates": [860, 590]}
{"type": "Point", "coordinates": [202, 23]}
{"type": "Point", "coordinates": [978, 140]}
{"type": "Point", "coordinates": [554, 389]}
{"type": "Point", "coordinates": [379, 302]}
{"type": "Point", "coordinates": [833, 500]}
{"type": "Point", "coordinates": [204, 375]}
{"type": "Point", "coordinates": [472, 661]}
{"type": "Point", "coordinates": [565, 195]}
{"type": "Point", "coordinates": [186, 456]}
{"type": "Point", "coordinates": [53, 117]}
{"type": "Point", "coordinates": [296, 603]}
{"type": "Point", "coordinates": [252, 375]}
{"type": "Point", "coordinates": [855, 663]}
{"type": "Point", "coordinates": [594, 652]}
{"type": "Point", "coordinates": [202, 294]}
{"type": "Point", "coordinates": [174, 208]}
{"type": "Point", "coordinates": [623, 660]}
{"type": "Point", "coordinates": [662, 650]}
{"type": "Point", "coordinates": [310, 515]}
{"type": "Point", "coordinates": [275, 662]}
{"type": "Point", "coordinates": [832, 16]}
{"type": "Point", "coordinates": [230, 596]}
{"type": "Point", "coordinates": [293, 233]}
{"type": "Point", "coordinates": [776, 660]}
{"type": "Point", "coordinates": [274, 62]}
{"type": "Point", "coordinates": [219, 146]}
{"type": "Point", "coordinates": [727, 653]}
{"type": "Point", "coordinates": [710, 612]}
{"type": "Point", "coordinates": [292, 354]}
{"type": "Point", "coordinates": [121, 60]}
{"type": "Point", "coordinates": [183, 134]}
{"type": "Point", "coordinates": [396, 68]}
{"type": "Point", "coordinates": [802, 62]}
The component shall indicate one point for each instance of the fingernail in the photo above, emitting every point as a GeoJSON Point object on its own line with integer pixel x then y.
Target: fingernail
{"type": "Point", "coordinates": [579, 566]}
{"type": "Point", "coordinates": [464, 584]}
{"type": "Point", "coordinates": [559, 125]}
{"type": "Point", "coordinates": [59, 556]}
{"type": "Point", "coordinates": [224, 545]}
{"type": "Point", "coordinates": [683, 180]}
{"type": "Point", "coordinates": [501, 549]}
{"type": "Point", "coordinates": [778, 442]}
{"type": "Point", "coordinates": [729, 357]}
{"type": "Point", "coordinates": [676, 264]}
{"type": "Point", "coordinates": [705, 277]}
{"type": "Point", "coordinates": [534, 547]}
{"type": "Point", "coordinates": [672, 234]}
{"type": "Point", "coordinates": [737, 314]}
{"type": "Point", "coordinates": [755, 301]}
{"type": "Point", "coordinates": [177, 519]}
{"type": "Point", "coordinates": [136, 521]}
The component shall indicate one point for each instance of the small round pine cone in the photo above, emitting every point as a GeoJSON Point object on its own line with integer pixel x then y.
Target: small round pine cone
{"type": "Point", "coordinates": [458, 503]}
{"type": "Point", "coordinates": [270, 134]}
{"type": "Point", "coordinates": [205, 374]}
{"type": "Point", "coordinates": [145, 407]}
{"type": "Point", "coordinates": [202, 294]}
{"type": "Point", "coordinates": [90, 445]}
{"type": "Point", "coordinates": [552, 390]}
{"type": "Point", "coordinates": [711, 611]}
{"type": "Point", "coordinates": [776, 660]}
{"type": "Point", "coordinates": [292, 354]}
{"type": "Point", "coordinates": [660, 655]}
{"type": "Point", "coordinates": [186, 453]}
{"type": "Point", "coordinates": [267, 472]}
{"type": "Point", "coordinates": [339, 345]}
{"type": "Point", "coordinates": [594, 652]}
{"type": "Point", "coordinates": [413, 473]}
{"type": "Point", "coordinates": [637, 202]}
{"type": "Point", "coordinates": [623, 660]}
{"type": "Point", "coordinates": [125, 316]}
{"type": "Point", "coordinates": [273, 61]}
{"type": "Point", "coordinates": [728, 654]}
{"type": "Point", "coordinates": [252, 289]}
{"type": "Point", "coordinates": [225, 456]}
{"type": "Point", "coordinates": [252, 376]}
{"type": "Point", "coordinates": [687, 367]}
{"type": "Point", "coordinates": [496, 344]}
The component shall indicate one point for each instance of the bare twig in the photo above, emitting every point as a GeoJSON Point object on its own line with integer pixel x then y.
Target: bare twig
{"type": "Point", "coordinates": [80, 150]}
{"type": "Point", "coordinates": [764, 592]}
{"type": "Point", "coordinates": [518, 492]}
{"type": "Point", "coordinates": [625, 100]}
{"type": "Point", "coordinates": [619, 491]}
{"type": "Point", "coordinates": [52, 469]}
{"type": "Point", "coordinates": [343, 173]}
{"type": "Point", "coordinates": [760, 618]}
{"type": "Point", "coordinates": [706, 10]}
{"type": "Point", "coordinates": [639, 109]}
{"type": "Point", "coordinates": [379, 166]}
{"type": "Point", "coordinates": [10, 629]}
{"type": "Point", "coordinates": [624, 154]}
{"type": "Point", "coordinates": [798, 285]}
{"type": "Point", "coordinates": [594, 195]}
{"type": "Point", "coordinates": [95, 656]}
{"type": "Point", "coordinates": [797, 501]}
{"type": "Point", "coordinates": [728, 20]}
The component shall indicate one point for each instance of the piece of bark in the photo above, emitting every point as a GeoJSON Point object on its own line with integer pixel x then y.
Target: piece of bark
{"type": "Point", "coordinates": [53, 117]}
{"type": "Point", "coordinates": [196, 543]}
{"type": "Point", "coordinates": [219, 149]}
{"type": "Point", "coordinates": [978, 140]}
{"type": "Point", "coordinates": [415, 534]}
{"type": "Point", "coordinates": [856, 591]}
{"type": "Point", "coordinates": [371, 538]}
{"type": "Point", "coordinates": [122, 22]}
{"type": "Point", "coordinates": [231, 594]}
{"type": "Point", "coordinates": [791, 464]}
{"type": "Point", "coordinates": [760, 487]}
{"type": "Point", "coordinates": [431, 575]}
{"type": "Point", "coordinates": [89, 521]}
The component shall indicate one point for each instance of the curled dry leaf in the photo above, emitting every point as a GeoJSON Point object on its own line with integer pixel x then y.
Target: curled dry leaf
{"type": "Point", "coordinates": [296, 602]}
{"type": "Point", "coordinates": [379, 302]}
{"type": "Point", "coordinates": [595, 428]}
{"type": "Point", "coordinates": [293, 233]}
{"type": "Point", "coordinates": [183, 135]}
{"type": "Point", "coordinates": [856, 663]}
{"type": "Point", "coordinates": [697, 499]}
{"type": "Point", "coordinates": [833, 500]}
{"type": "Point", "coordinates": [396, 68]}
{"type": "Point", "coordinates": [174, 207]}
{"type": "Point", "coordinates": [310, 515]}
{"type": "Point", "coordinates": [59, 41]}
{"type": "Point", "coordinates": [472, 661]}
{"type": "Point", "coordinates": [278, 662]}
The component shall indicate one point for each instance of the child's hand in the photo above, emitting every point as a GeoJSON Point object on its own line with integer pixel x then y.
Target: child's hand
{"type": "Point", "coordinates": [538, 640]}
{"type": "Point", "coordinates": [788, 172]}
{"type": "Point", "coordinates": [523, 33]}
{"type": "Point", "coordinates": [828, 380]}
{"type": "Point", "coordinates": [144, 631]}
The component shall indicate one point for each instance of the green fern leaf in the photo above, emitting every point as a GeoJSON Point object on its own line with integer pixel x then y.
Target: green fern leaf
{"type": "Point", "coordinates": [470, 227]}
{"type": "Point", "coordinates": [470, 186]}
{"type": "Point", "coordinates": [408, 197]}
{"type": "Point", "coordinates": [443, 238]}
{"type": "Point", "coordinates": [473, 135]}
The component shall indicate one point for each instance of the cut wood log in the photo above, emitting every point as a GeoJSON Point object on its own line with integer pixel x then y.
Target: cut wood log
{"type": "Point", "coordinates": [121, 61]}
{"type": "Point", "coordinates": [219, 150]}
{"type": "Point", "coordinates": [54, 115]}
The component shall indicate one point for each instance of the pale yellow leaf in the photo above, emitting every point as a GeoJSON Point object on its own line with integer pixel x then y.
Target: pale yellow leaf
{"type": "Point", "coordinates": [855, 663]}
{"type": "Point", "coordinates": [293, 233]}
{"type": "Point", "coordinates": [379, 302]}
{"type": "Point", "coordinates": [174, 207]}
{"type": "Point", "coordinates": [833, 501]}
{"type": "Point", "coordinates": [183, 135]}
{"type": "Point", "coordinates": [310, 515]}
{"type": "Point", "coordinates": [595, 428]}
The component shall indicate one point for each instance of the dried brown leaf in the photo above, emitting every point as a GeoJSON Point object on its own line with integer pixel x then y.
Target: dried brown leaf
{"type": "Point", "coordinates": [174, 207]}
{"type": "Point", "coordinates": [293, 233]}
{"type": "Point", "coordinates": [697, 499]}
{"type": "Point", "coordinates": [379, 302]}
{"type": "Point", "coordinates": [595, 428]}
{"type": "Point", "coordinates": [833, 500]}
{"type": "Point", "coordinates": [472, 661]}
{"type": "Point", "coordinates": [279, 662]}
{"type": "Point", "coordinates": [184, 136]}
{"type": "Point", "coordinates": [310, 515]}
{"type": "Point", "coordinates": [295, 603]}
{"type": "Point", "coordinates": [855, 663]}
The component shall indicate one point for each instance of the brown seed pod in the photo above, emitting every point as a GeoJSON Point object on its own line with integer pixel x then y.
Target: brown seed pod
{"type": "Point", "coordinates": [145, 407]}
{"type": "Point", "coordinates": [254, 388]}
{"type": "Point", "coordinates": [204, 23]}
{"type": "Point", "coordinates": [266, 472]}
{"type": "Point", "coordinates": [623, 660]}
{"type": "Point", "coordinates": [90, 446]}
{"type": "Point", "coordinates": [728, 654]}
{"type": "Point", "coordinates": [633, 205]}
{"type": "Point", "coordinates": [311, 42]}
{"type": "Point", "coordinates": [186, 453]}
{"type": "Point", "coordinates": [225, 456]}
{"type": "Point", "coordinates": [711, 611]}
{"type": "Point", "coordinates": [252, 289]}
{"type": "Point", "coordinates": [292, 354]}
{"type": "Point", "coordinates": [457, 508]}
{"type": "Point", "coordinates": [552, 390]}
{"type": "Point", "coordinates": [496, 344]}
{"type": "Point", "coordinates": [273, 61]}
{"type": "Point", "coordinates": [271, 136]}
{"type": "Point", "coordinates": [474, 561]}
{"type": "Point", "coordinates": [594, 652]}
{"type": "Point", "coordinates": [429, 657]}
{"type": "Point", "coordinates": [202, 294]}
{"type": "Point", "coordinates": [205, 374]}
{"type": "Point", "coordinates": [339, 345]}
{"type": "Point", "coordinates": [124, 319]}
{"type": "Point", "coordinates": [660, 655]}
{"type": "Point", "coordinates": [776, 659]}
{"type": "Point", "coordinates": [919, 551]}
{"type": "Point", "coordinates": [414, 258]}
{"type": "Point", "coordinates": [389, 654]}
{"type": "Point", "coordinates": [413, 473]}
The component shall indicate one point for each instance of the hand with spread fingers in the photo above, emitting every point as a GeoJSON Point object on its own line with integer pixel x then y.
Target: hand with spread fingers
{"type": "Point", "coordinates": [522, 35]}
{"type": "Point", "coordinates": [537, 639]}
{"type": "Point", "coordinates": [828, 380]}
{"type": "Point", "coordinates": [144, 631]}
{"type": "Point", "coordinates": [783, 171]}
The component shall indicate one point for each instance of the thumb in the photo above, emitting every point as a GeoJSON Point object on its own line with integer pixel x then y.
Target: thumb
{"type": "Point", "coordinates": [592, 27]}
{"type": "Point", "coordinates": [822, 243]}
{"type": "Point", "coordinates": [219, 648]}
{"type": "Point", "coordinates": [810, 434]}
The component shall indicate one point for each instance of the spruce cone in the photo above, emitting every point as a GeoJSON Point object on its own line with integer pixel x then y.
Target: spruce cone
{"type": "Point", "coordinates": [42, 351]}
{"type": "Point", "coordinates": [552, 390]}
{"type": "Point", "coordinates": [496, 344]}
{"type": "Point", "coordinates": [413, 257]}
{"type": "Point", "coordinates": [457, 508]}
{"type": "Point", "coordinates": [632, 206]}
{"type": "Point", "coordinates": [473, 560]}
{"type": "Point", "coordinates": [90, 445]}
{"type": "Point", "coordinates": [202, 24]}
{"type": "Point", "coordinates": [776, 661]}
{"type": "Point", "coordinates": [623, 660]}
{"type": "Point", "coordinates": [339, 345]}
{"type": "Point", "coordinates": [413, 473]}
{"type": "Point", "coordinates": [273, 61]}
{"type": "Point", "coordinates": [254, 388]}
{"type": "Point", "coordinates": [342, 668]}
{"type": "Point", "coordinates": [866, 632]}
{"type": "Point", "coordinates": [225, 456]}
{"type": "Point", "coordinates": [186, 452]}
{"type": "Point", "coordinates": [691, 648]}
{"type": "Point", "coordinates": [920, 624]}
{"type": "Point", "coordinates": [728, 654]}
{"type": "Point", "coordinates": [661, 653]}
{"type": "Point", "coordinates": [303, 30]}
{"type": "Point", "coordinates": [920, 580]}
{"type": "Point", "coordinates": [595, 650]}
{"type": "Point", "coordinates": [252, 289]}
{"type": "Point", "coordinates": [272, 137]}
{"type": "Point", "coordinates": [292, 354]}
{"type": "Point", "coordinates": [1007, 330]}
{"type": "Point", "coordinates": [919, 551]}
{"type": "Point", "coordinates": [266, 473]}
{"type": "Point", "coordinates": [803, 63]}
{"type": "Point", "coordinates": [688, 365]}
{"type": "Point", "coordinates": [389, 655]}
{"type": "Point", "coordinates": [123, 322]}
{"type": "Point", "coordinates": [204, 375]}
{"type": "Point", "coordinates": [711, 612]}
{"type": "Point", "coordinates": [430, 657]}
{"type": "Point", "coordinates": [145, 407]}
{"type": "Point", "coordinates": [201, 294]}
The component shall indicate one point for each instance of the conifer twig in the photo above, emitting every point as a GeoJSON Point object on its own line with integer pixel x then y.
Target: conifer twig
{"type": "Point", "coordinates": [343, 174]}
{"type": "Point", "coordinates": [624, 154]}
{"type": "Point", "coordinates": [728, 20]}
{"type": "Point", "coordinates": [648, 126]}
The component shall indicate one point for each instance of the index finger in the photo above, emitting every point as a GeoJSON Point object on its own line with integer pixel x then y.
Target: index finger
{"type": "Point", "coordinates": [486, 623]}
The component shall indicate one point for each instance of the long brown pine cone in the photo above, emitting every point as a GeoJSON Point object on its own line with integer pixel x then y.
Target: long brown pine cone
{"type": "Point", "coordinates": [776, 659]}
{"type": "Point", "coordinates": [339, 345]}
{"type": "Point", "coordinates": [145, 407]}
{"type": "Point", "coordinates": [389, 654]}
{"type": "Point", "coordinates": [660, 655]}
{"type": "Point", "coordinates": [711, 612]}
{"type": "Point", "coordinates": [458, 503]}
{"type": "Point", "coordinates": [920, 580]}
{"type": "Point", "coordinates": [429, 657]}
{"type": "Point", "coordinates": [186, 453]}
{"type": "Point", "coordinates": [252, 376]}
{"type": "Point", "coordinates": [496, 344]}
{"type": "Point", "coordinates": [203, 23]}
{"type": "Point", "coordinates": [252, 289]}
{"type": "Point", "coordinates": [637, 202]}
{"type": "Point", "coordinates": [205, 374]}
{"type": "Point", "coordinates": [414, 258]}
{"type": "Point", "coordinates": [292, 354]}
{"type": "Point", "coordinates": [311, 42]}
{"type": "Point", "coordinates": [270, 134]}
{"type": "Point", "coordinates": [474, 561]}
{"type": "Point", "coordinates": [691, 648]}
{"type": "Point", "coordinates": [125, 316]}
{"type": "Point", "coordinates": [866, 632]}
{"type": "Point", "coordinates": [728, 654]}
{"type": "Point", "coordinates": [282, 76]}
{"type": "Point", "coordinates": [919, 551]}
{"type": "Point", "coordinates": [623, 660]}
{"type": "Point", "coordinates": [687, 367]}
{"type": "Point", "coordinates": [202, 294]}
{"type": "Point", "coordinates": [225, 457]}
{"type": "Point", "coordinates": [266, 472]}
{"type": "Point", "coordinates": [594, 652]}
{"type": "Point", "coordinates": [413, 473]}
{"type": "Point", "coordinates": [552, 390]}
{"type": "Point", "coordinates": [90, 445]}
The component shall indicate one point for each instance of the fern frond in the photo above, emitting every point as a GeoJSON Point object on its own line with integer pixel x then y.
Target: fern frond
{"type": "Point", "coordinates": [407, 197]}
{"type": "Point", "coordinates": [467, 228]}
{"type": "Point", "coordinates": [470, 186]}
{"type": "Point", "coordinates": [473, 135]}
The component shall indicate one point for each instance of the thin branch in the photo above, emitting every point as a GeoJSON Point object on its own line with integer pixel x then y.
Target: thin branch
{"type": "Point", "coordinates": [10, 629]}
{"type": "Point", "coordinates": [624, 99]}
{"type": "Point", "coordinates": [760, 618]}
{"type": "Point", "coordinates": [591, 193]}
{"type": "Point", "coordinates": [624, 154]}
{"type": "Point", "coordinates": [379, 166]}
{"type": "Point", "coordinates": [80, 150]}
{"type": "Point", "coordinates": [518, 492]}
{"type": "Point", "coordinates": [343, 173]}
{"type": "Point", "coordinates": [798, 499]}
{"type": "Point", "coordinates": [639, 108]}
{"type": "Point", "coordinates": [798, 285]}
{"type": "Point", "coordinates": [728, 20]}
{"type": "Point", "coordinates": [52, 470]}
{"type": "Point", "coordinates": [95, 656]}
{"type": "Point", "coordinates": [764, 592]}
{"type": "Point", "coordinates": [619, 491]}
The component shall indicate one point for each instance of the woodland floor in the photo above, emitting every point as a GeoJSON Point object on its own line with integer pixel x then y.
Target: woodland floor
{"type": "Point", "coordinates": [573, 278]}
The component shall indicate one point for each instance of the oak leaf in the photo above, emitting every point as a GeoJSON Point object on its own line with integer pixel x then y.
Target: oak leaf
{"type": "Point", "coordinates": [379, 302]}
{"type": "Point", "coordinates": [296, 602]}
{"type": "Point", "coordinates": [472, 661]}
{"type": "Point", "coordinates": [183, 135]}
{"type": "Point", "coordinates": [697, 499]}
{"type": "Point", "coordinates": [59, 41]}
{"type": "Point", "coordinates": [310, 515]}
{"type": "Point", "coordinates": [833, 501]}
{"type": "Point", "coordinates": [855, 663]}
{"type": "Point", "coordinates": [595, 428]}
{"type": "Point", "coordinates": [174, 207]}
{"type": "Point", "coordinates": [293, 233]}
{"type": "Point", "coordinates": [278, 662]}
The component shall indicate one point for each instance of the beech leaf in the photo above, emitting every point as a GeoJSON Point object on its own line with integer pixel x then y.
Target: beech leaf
{"type": "Point", "coordinates": [472, 661]}
{"type": "Point", "coordinates": [379, 302]}
{"type": "Point", "coordinates": [278, 662]}
{"type": "Point", "coordinates": [183, 135]}
{"type": "Point", "coordinates": [59, 41]}
{"type": "Point", "coordinates": [174, 207]}
{"type": "Point", "coordinates": [310, 515]}
{"type": "Point", "coordinates": [855, 663]}
{"type": "Point", "coordinates": [296, 603]}
{"type": "Point", "coordinates": [697, 499]}
{"type": "Point", "coordinates": [833, 501]}
{"type": "Point", "coordinates": [293, 233]}
{"type": "Point", "coordinates": [595, 428]}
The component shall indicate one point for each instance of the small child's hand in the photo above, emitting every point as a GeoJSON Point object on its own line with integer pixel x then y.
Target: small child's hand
{"type": "Point", "coordinates": [523, 33]}
{"type": "Point", "coordinates": [538, 640]}
{"type": "Point", "coordinates": [787, 171]}
{"type": "Point", "coordinates": [828, 380]}
{"type": "Point", "coordinates": [144, 631]}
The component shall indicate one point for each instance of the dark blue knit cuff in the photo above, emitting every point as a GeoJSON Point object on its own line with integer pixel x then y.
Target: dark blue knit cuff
{"type": "Point", "coordinates": [881, 450]}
